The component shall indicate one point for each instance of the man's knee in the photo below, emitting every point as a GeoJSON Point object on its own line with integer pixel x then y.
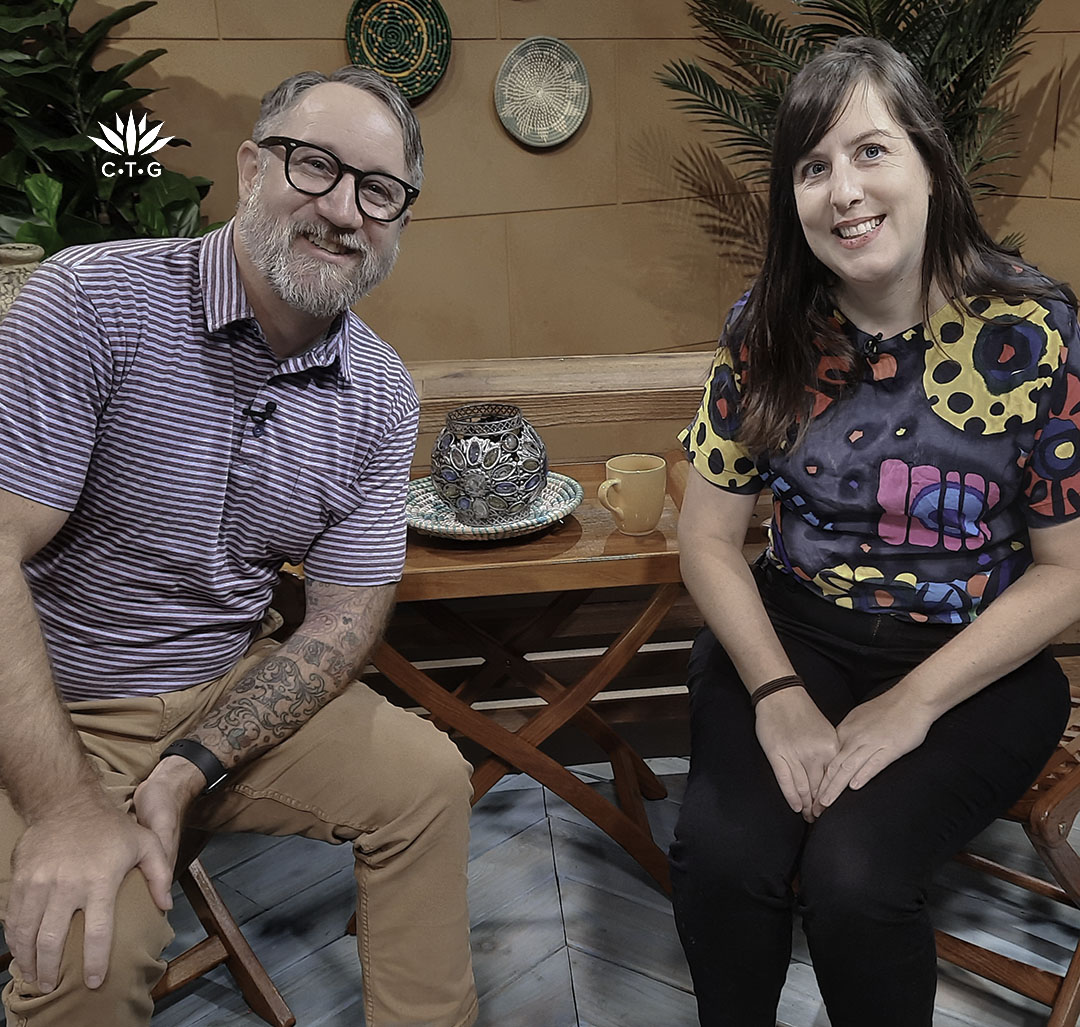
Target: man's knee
{"type": "Point", "coordinates": [140, 934]}
{"type": "Point", "coordinates": [439, 774]}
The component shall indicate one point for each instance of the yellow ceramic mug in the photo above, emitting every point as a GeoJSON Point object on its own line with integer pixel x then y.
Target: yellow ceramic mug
{"type": "Point", "coordinates": [634, 491]}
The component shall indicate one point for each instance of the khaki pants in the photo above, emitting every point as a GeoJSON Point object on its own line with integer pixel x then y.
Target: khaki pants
{"type": "Point", "coordinates": [360, 771]}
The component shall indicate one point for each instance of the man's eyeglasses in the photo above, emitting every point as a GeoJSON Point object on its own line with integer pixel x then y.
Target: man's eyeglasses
{"type": "Point", "coordinates": [314, 171]}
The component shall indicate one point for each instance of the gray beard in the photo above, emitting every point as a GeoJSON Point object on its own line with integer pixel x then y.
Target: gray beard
{"type": "Point", "coordinates": [306, 283]}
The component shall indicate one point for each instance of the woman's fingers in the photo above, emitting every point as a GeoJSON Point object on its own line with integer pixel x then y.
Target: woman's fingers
{"type": "Point", "coordinates": [839, 773]}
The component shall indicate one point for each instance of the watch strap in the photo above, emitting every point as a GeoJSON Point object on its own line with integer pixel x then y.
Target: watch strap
{"type": "Point", "coordinates": [195, 752]}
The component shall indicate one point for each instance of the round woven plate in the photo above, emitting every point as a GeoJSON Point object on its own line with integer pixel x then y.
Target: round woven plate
{"type": "Point", "coordinates": [408, 41]}
{"type": "Point", "coordinates": [542, 92]}
{"type": "Point", "coordinates": [428, 513]}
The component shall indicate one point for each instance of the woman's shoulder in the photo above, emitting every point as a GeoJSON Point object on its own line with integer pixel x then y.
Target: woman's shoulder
{"type": "Point", "coordinates": [1012, 282]}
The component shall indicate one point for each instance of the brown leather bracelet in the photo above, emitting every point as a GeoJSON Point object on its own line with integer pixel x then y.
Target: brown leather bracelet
{"type": "Point", "coordinates": [776, 685]}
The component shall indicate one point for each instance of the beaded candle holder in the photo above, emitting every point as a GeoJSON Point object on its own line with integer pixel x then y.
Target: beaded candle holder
{"type": "Point", "coordinates": [488, 463]}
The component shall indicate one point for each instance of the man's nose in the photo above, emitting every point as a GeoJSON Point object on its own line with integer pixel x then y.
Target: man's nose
{"type": "Point", "coordinates": [339, 206]}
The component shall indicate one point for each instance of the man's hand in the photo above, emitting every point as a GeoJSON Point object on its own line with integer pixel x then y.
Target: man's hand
{"type": "Point", "coordinates": [76, 861]}
{"type": "Point", "coordinates": [163, 798]}
{"type": "Point", "coordinates": [873, 735]}
{"type": "Point", "coordinates": [799, 742]}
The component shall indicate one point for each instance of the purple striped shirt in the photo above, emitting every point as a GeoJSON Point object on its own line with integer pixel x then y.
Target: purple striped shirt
{"type": "Point", "coordinates": [125, 370]}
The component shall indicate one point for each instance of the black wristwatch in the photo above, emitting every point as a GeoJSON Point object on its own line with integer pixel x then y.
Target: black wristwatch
{"type": "Point", "coordinates": [202, 757]}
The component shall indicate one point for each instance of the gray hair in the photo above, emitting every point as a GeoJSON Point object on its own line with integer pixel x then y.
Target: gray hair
{"type": "Point", "coordinates": [280, 100]}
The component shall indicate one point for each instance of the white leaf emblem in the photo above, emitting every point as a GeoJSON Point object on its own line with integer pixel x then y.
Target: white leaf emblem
{"type": "Point", "coordinates": [130, 140]}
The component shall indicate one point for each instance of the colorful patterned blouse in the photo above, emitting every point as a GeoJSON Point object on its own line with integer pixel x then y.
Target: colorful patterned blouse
{"type": "Point", "coordinates": [915, 486]}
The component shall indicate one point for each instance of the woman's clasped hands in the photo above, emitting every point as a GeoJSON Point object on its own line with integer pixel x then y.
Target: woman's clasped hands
{"type": "Point", "coordinates": [815, 762]}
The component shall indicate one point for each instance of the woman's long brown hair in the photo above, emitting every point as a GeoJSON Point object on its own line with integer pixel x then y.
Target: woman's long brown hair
{"type": "Point", "coordinates": [786, 320]}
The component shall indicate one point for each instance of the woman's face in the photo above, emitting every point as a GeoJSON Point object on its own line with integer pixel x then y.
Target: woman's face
{"type": "Point", "coordinates": [863, 195]}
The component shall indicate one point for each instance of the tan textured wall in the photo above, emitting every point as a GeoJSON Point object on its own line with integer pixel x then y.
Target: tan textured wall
{"type": "Point", "coordinates": [591, 246]}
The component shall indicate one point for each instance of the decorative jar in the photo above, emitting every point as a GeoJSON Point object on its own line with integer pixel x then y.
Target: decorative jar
{"type": "Point", "coordinates": [17, 261]}
{"type": "Point", "coordinates": [488, 463]}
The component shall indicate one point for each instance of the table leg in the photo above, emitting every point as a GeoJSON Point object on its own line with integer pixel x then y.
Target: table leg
{"type": "Point", "coordinates": [506, 659]}
{"type": "Point", "coordinates": [628, 826]}
{"type": "Point", "coordinates": [537, 630]}
{"type": "Point", "coordinates": [577, 696]}
{"type": "Point", "coordinates": [519, 752]}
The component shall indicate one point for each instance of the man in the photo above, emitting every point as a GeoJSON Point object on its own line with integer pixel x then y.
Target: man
{"type": "Point", "coordinates": [177, 417]}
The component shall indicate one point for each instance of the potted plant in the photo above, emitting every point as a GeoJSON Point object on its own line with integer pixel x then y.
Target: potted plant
{"type": "Point", "coordinates": [53, 191]}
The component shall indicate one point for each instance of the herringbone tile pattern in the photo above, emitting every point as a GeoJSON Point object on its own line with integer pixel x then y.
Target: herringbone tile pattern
{"type": "Point", "coordinates": [567, 931]}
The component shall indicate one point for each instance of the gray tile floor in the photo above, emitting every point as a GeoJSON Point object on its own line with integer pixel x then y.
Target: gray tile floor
{"type": "Point", "coordinates": [567, 930]}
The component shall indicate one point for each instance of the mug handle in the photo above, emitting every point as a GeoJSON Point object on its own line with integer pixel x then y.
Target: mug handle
{"type": "Point", "coordinates": [602, 495]}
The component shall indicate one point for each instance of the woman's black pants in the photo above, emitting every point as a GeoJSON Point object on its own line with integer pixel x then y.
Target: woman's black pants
{"type": "Point", "coordinates": [864, 867]}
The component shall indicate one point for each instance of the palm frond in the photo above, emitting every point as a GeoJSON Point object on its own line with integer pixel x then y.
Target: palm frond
{"type": "Point", "coordinates": [753, 45]}
{"type": "Point", "coordinates": [735, 217]}
{"type": "Point", "coordinates": [964, 50]}
{"type": "Point", "coordinates": [745, 120]}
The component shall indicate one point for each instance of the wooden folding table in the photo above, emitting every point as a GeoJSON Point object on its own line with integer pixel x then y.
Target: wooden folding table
{"type": "Point", "coordinates": [567, 562]}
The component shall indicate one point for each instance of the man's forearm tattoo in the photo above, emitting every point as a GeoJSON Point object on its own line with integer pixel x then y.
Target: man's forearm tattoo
{"type": "Point", "coordinates": [287, 689]}
{"type": "Point", "coordinates": [268, 705]}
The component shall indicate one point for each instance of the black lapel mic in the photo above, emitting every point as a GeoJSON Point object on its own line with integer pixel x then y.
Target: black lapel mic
{"type": "Point", "coordinates": [260, 416]}
{"type": "Point", "coordinates": [870, 348]}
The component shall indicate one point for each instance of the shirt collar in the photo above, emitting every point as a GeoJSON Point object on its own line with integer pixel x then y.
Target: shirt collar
{"type": "Point", "coordinates": [224, 299]}
{"type": "Point", "coordinates": [225, 303]}
{"type": "Point", "coordinates": [331, 351]}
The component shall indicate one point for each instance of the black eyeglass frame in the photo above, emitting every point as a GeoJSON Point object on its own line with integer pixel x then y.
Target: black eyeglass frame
{"type": "Point", "coordinates": [289, 144]}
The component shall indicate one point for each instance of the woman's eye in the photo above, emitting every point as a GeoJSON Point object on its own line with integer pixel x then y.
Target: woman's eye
{"type": "Point", "coordinates": [873, 151]}
{"type": "Point", "coordinates": [813, 169]}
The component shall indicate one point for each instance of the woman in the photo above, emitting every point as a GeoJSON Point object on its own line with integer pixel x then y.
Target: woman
{"type": "Point", "coordinates": [876, 689]}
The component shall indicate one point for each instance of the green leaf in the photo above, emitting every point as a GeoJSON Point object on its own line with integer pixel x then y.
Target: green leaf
{"type": "Point", "coordinates": [14, 71]}
{"type": "Point", "coordinates": [16, 25]}
{"type": "Point", "coordinates": [12, 168]}
{"type": "Point", "coordinates": [116, 99]}
{"type": "Point", "coordinates": [76, 230]}
{"type": "Point", "coordinates": [202, 185]}
{"type": "Point", "coordinates": [961, 48]}
{"type": "Point", "coordinates": [93, 36]}
{"type": "Point", "coordinates": [110, 78]}
{"type": "Point", "coordinates": [169, 187]}
{"type": "Point", "coordinates": [51, 100]}
{"type": "Point", "coordinates": [151, 218]}
{"type": "Point", "coordinates": [45, 194]}
{"type": "Point", "coordinates": [44, 236]}
{"type": "Point", "coordinates": [182, 219]}
{"type": "Point", "coordinates": [8, 227]}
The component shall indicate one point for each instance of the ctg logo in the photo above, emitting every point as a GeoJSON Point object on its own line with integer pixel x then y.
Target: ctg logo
{"type": "Point", "coordinates": [131, 141]}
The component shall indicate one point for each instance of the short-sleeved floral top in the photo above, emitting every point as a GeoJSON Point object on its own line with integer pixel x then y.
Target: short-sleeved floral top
{"type": "Point", "coordinates": [917, 481]}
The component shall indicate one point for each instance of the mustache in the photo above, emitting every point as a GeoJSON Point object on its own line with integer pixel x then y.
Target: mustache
{"type": "Point", "coordinates": [321, 234]}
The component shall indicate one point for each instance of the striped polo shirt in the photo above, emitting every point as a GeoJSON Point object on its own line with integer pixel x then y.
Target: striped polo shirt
{"type": "Point", "coordinates": [125, 373]}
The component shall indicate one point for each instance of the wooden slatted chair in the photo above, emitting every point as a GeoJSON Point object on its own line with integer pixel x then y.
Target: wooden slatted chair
{"type": "Point", "coordinates": [224, 944]}
{"type": "Point", "coordinates": [1046, 812]}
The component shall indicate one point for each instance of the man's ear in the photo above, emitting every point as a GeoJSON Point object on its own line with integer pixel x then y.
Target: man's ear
{"type": "Point", "coordinates": [247, 168]}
